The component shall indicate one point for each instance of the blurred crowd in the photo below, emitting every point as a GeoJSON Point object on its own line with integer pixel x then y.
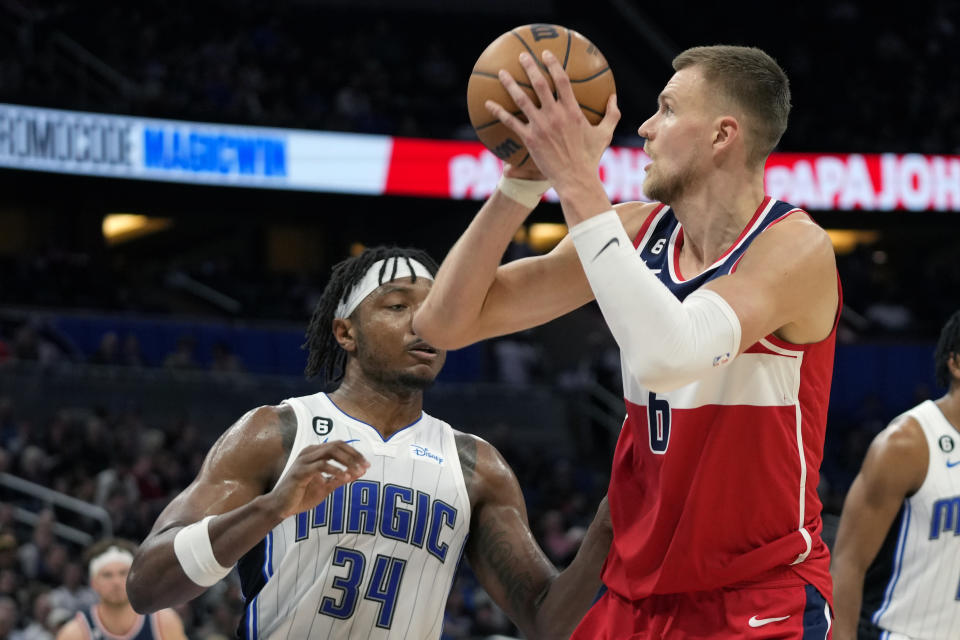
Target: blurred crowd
{"type": "Point", "coordinates": [307, 64]}
{"type": "Point", "coordinates": [857, 74]}
{"type": "Point", "coordinates": [893, 286]}
{"type": "Point", "coordinates": [132, 465]}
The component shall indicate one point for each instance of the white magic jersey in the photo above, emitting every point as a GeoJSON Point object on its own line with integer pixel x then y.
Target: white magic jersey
{"type": "Point", "coordinates": [921, 598]}
{"type": "Point", "coordinates": [377, 558]}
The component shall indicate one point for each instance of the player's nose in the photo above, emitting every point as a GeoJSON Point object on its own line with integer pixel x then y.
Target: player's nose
{"type": "Point", "coordinates": [645, 130]}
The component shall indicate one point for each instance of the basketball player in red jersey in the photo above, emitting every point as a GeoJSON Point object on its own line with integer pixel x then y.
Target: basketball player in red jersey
{"type": "Point", "coordinates": [724, 303]}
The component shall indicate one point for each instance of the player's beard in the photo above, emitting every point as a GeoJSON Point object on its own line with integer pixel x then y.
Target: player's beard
{"type": "Point", "coordinates": [668, 188]}
{"type": "Point", "coordinates": [115, 600]}
{"type": "Point", "coordinates": [377, 370]}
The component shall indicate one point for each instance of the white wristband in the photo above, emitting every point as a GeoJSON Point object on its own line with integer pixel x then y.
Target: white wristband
{"type": "Point", "coordinates": [526, 192]}
{"type": "Point", "coordinates": [195, 553]}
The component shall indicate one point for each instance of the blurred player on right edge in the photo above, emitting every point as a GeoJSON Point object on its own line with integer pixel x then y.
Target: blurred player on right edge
{"type": "Point", "coordinates": [896, 563]}
{"type": "Point", "coordinates": [724, 302]}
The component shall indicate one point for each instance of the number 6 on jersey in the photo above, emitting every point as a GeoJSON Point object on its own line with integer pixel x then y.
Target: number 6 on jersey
{"type": "Point", "coordinates": [658, 419]}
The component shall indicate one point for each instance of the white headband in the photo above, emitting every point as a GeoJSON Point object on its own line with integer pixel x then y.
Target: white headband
{"type": "Point", "coordinates": [112, 554]}
{"type": "Point", "coordinates": [371, 281]}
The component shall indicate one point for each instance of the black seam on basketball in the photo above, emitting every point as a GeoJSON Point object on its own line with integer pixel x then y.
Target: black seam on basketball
{"type": "Point", "coordinates": [525, 158]}
{"type": "Point", "coordinates": [496, 77]}
{"type": "Point", "coordinates": [493, 122]}
{"type": "Point", "coordinates": [566, 56]}
{"type": "Point", "coordinates": [589, 78]}
{"type": "Point", "coordinates": [599, 113]}
{"type": "Point", "coordinates": [532, 54]}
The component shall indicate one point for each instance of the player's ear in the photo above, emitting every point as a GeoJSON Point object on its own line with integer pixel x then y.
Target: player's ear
{"type": "Point", "coordinates": [726, 130]}
{"type": "Point", "coordinates": [953, 364]}
{"type": "Point", "coordinates": [345, 333]}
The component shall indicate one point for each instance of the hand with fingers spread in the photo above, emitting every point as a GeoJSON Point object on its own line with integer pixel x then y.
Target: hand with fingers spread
{"type": "Point", "coordinates": [314, 475]}
{"type": "Point", "coordinates": [561, 142]}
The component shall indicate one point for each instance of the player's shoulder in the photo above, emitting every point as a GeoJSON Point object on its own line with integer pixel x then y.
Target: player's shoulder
{"type": "Point", "coordinates": [793, 241]}
{"type": "Point", "coordinates": [171, 626]}
{"type": "Point", "coordinates": [72, 630]}
{"type": "Point", "coordinates": [898, 455]}
{"type": "Point", "coordinates": [258, 440]}
{"type": "Point", "coordinates": [903, 436]}
{"type": "Point", "coordinates": [796, 226]}
{"type": "Point", "coordinates": [267, 423]}
{"type": "Point", "coordinates": [482, 459]}
{"type": "Point", "coordinates": [633, 214]}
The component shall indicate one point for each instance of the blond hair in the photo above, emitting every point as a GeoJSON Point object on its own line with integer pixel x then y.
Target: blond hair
{"type": "Point", "coordinates": [751, 80]}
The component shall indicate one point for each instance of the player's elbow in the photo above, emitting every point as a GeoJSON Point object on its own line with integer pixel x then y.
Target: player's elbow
{"type": "Point", "coordinates": [429, 325]}
{"type": "Point", "coordinates": [139, 594]}
{"type": "Point", "coordinates": [139, 600]}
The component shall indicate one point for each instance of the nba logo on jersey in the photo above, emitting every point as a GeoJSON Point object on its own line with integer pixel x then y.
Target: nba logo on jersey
{"type": "Point", "coordinates": [322, 425]}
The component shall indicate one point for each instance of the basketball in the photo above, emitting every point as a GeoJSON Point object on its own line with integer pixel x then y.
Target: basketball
{"type": "Point", "coordinates": [589, 73]}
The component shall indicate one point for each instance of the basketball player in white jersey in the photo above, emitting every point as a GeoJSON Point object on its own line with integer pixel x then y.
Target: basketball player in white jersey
{"type": "Point", "coordinates": [347, 513]}
{"type": "Point", "coordinates": [113, 618]}
{"type": "Point", "coordinates": [896, 562]}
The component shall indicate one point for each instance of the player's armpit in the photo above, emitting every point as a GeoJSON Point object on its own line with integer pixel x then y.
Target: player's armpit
{"type": "Point", "coordinates": [894, 468]}
{"type": "Point", "coordinates": [235, 474]}
{"type": "Point", "coordinates": [786, 283]}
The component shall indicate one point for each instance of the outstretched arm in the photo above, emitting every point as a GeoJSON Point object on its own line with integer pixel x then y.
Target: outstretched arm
{"type": "Point", "coordinates": [234, 485]}
{"type": "Point", "coordinates": [895, 467]}
{"type": "Point", "coordinates": [510, 565]}
{"type": "Point", "coordinates": [474, 298]}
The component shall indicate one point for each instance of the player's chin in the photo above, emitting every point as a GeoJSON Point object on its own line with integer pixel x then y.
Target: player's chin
{"type": "Point", "coordinates": [419, 377]}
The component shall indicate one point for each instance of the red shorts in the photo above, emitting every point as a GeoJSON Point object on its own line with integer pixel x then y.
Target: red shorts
{"type": "Point", "coordinates": [794, 612]}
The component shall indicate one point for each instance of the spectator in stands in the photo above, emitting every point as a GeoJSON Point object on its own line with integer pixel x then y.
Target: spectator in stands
{"type": "Point", "coordinates": [31, 554]}
{"type": "Point", "coordinates": [131, 355]}
{"type": "Point", "coordinates": [183, 356]}
{"type": "Point", "coordinates": [9, 617]}
{"type": "Point", "coordinates": [108, 353]}
{"type": "Point", "coordinates": [36, 628]}
{"type": "Point", "coordinates": [72, 594]}
{"type": "Point", "coordinates": [224, 359]}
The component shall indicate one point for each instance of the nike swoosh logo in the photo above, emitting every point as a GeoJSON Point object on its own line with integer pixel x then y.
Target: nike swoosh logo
{"type": "Point", "coordinates": [344, 442]}
{"type": "Point", "coordinates": [951, 465]}
{"type": "Point", "coordinates": [609, 242]}
{"type": "Point", "coordinates": [759, 622]}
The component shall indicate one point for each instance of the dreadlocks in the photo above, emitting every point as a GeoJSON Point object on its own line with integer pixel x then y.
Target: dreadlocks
{"type": "Point", "coordinates": [948, 346]}
{"type": "Point", "coordinates": [326, 359]}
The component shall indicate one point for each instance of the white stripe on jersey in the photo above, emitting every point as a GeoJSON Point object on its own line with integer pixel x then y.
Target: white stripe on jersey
{"type": "Point", "coordinates": [378, 557]}
{"type": "Point", "coordinates": [922, 599]}
{"type": "Point", "coordinates": [755, 379]}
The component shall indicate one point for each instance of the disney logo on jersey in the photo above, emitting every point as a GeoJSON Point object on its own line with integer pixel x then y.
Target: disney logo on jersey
{"type": "Point", "coordinates": [419, 451]}
{"type": "Point", "coordinates": [322, 425]}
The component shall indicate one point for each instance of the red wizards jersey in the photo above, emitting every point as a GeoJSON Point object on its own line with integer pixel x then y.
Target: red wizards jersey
{"type": "Point", "coordinates": [714, 484]}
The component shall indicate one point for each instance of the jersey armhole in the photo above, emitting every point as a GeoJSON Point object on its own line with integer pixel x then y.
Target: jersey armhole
{"type": "Point", "coordinates": [300, 411]}
{"type": "Point", "coordinates": [451, 437]}
{"type": "Point", "coordinates": [638, 239]}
